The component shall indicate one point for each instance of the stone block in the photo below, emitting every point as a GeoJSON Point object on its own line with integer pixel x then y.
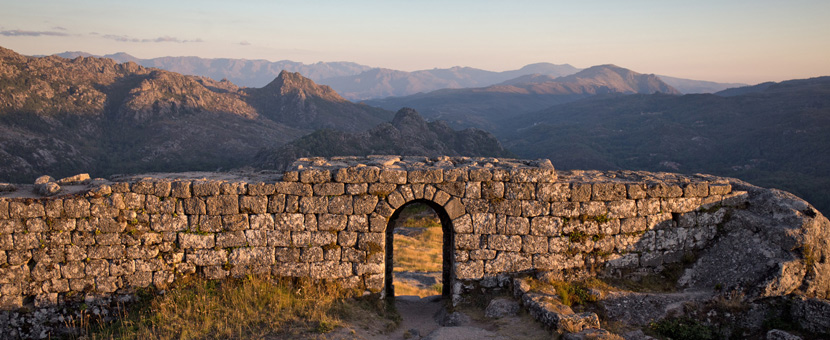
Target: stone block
{"type": "Point", "coordinates": [509, 262]}
{"type": "Point", "coordinates": [222, 204]}
{"type": "Point", "coordinates": [608, 191]}
{"type": "Point", "coordinates": [207, 257]}
{"type": "Point", "coordinates": [453, 188]}
{"type": "Point", "coordinates": [235, 222]}
{"type": "Point", "coordinates": [469, 270]}
{"type": "Point", "coordinates": [467, 241]}
{"type": "Point", "coordinates": [314, 205]}
{"type": "Point", "coordinates": [648, 206]}
{"type": "Point", "coordinates": [293, 188]}
{"type": "Point", "coordinates": [359, 223]}
{"type": "Point", "coordinates": [484, 223]}
{"type": "Point", "coordinates": [622, 208]}
{"type": "Point", "coordinates": [482, 254]}
{"type": "Point", "coordinates": [341, 205]}
{"type": "Point", "coordinates": [535, 208]}
{"type": "Point", "coordinates": [364, 204]}
{"type": "Point", "coordinates": [533, 175]}
{"type": "Point", "coordinates": [425, 176]}
{"type": "Point", "coordinates": [315, 176]}
{"type": "Point", "coordinates": [513, 225]}
{"type": "Point", "coordinates": [492, 190]}
{"type": "Point", "coordinates": [564, 209]}
{"type": "Point", "coordinates": [395, 200]}
{"type": "Point", "coordinates": [331, 222]}
{"type": "Point", "coordinates": [276, 203]}
{"type": "Point", "coordinates": [472, 190]}
{"type": "Point", "coordinates": [79, 207]}
{"type": "Point", "coordinates": [454, 208]}
{"type": "Point", "coordinates": [255, 256]}
{"type": "Point", "coordinates": [520, 191]}
{"type": "Point", "coordinates": [581, 192]}
{"type": "Point", "coordinates": [205, 188]}
{"type": "Point", "coordinates": [546, 226]}
{"type": "Point", "coordinates": [504, 242]}
{"type": "Point", "coordinates": [463, 224]}
{"type": "Point", "coordinates": [593, 209]}
{"type": "Point", "coordinates": [553, 192]}
{"type": "Point", "coordinates": [633, 225]}
{"type": "Point", "coordinates": [357, 188]}
{"type": "Point", "coordinates": [480, 175]}
{"type": "Point", "coordinates": [291, 269]}
{"type": "Point", "coordinates": [230, 239]}
{"type": "Point", "coordinates": [507, 207]}
{"type": "Point", "coordinates": [392, 176]}
{"type": "Point", "coordinates": [534, 244]}
{"type": "Point", "coordinates": [719, 188]}
{"type": "Point", "coordinates": [253, 204]}
{"type": "Point", "coordinates": [278, 238]}
{"type": "Point", "coordinates": [663, 190]}
{"type": "Point", "coordinates": [357, 174]}
{"type": "Point", "coordinates": [97, 268]}
{"type": "Point", "coordinates": [195, 241]}
{"type": "Point", "coordinates": [144, 187]}
{"type": "Point", "coordinates": [636, 191]}
{"type": "Point", "coordinates": [328, 189]}
{"type": "Point", "coordinates": [680, 204]}
{"type": "Point", "coordinates": [330, 270]}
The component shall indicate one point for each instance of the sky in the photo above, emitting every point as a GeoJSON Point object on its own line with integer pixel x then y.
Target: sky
{"type": "Point", "coordinates": [725, 41]}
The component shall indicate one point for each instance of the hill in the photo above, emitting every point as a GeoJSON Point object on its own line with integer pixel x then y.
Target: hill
{"type": "Point", "coordinates": [381, 83]}
{"type": "Point", "coordinates": [243, 72]}
{"type": "Point", "coordinates": [407, 134]}
{"type": "Point", "coordinates": [484, 107]}
{"type": "Point", "coordinates": [778, 136]}
{"type": "Point", "coordinates": [61, 117]}
{"type": "Point", "coordinates": [360, 82]}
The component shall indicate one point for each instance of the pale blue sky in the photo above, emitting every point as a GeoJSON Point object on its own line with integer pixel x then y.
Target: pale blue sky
{"type": "Point", "coordinates": [729, 41]}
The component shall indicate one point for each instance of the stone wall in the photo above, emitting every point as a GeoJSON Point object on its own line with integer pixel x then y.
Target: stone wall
{"type": "Point", "coordinates": [328, 220]}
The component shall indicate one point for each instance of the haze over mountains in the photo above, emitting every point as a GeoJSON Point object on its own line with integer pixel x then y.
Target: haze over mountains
{"type": "Point", "coordinates": [483, 107]}
{"type": "Point", "coordinates": [359, 82]}
{"type": "Point", "coordinates": [61, 117]}
{"type": "Point", "coordinates": [775, 135]}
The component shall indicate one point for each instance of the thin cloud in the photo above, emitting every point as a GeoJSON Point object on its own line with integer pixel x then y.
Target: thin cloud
{"type": "Point", "coordinates": [59, 28]}
{"type": "Point", "coordinates": [126, 38]}
{"type": "Point", "coordinates": [245, 43]}
{"type": "Point", "coordinates": [21, 33]}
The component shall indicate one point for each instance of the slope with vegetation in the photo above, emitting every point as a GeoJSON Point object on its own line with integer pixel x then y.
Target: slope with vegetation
{"type": "Point", "coordinates": [775, 136]}
{"type": "Point", "coordinates": [62, 117]}
{"type": "Point", "coordinates": [407, 134]}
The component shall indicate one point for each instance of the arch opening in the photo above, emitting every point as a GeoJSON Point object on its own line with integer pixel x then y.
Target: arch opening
{"type": "Point", "coordinates": [419, 250]}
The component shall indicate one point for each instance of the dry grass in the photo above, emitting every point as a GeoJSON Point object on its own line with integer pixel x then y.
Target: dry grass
{"type": "Point", "coordinates": [405, 288]}
{"type": "Point", "coordinates": [253, 307]}
{"type": "Point", "coordinates": [419, 253]}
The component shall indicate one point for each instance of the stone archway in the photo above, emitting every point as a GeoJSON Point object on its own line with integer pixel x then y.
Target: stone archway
{"type": "Point", "coordinates": [448, 256]}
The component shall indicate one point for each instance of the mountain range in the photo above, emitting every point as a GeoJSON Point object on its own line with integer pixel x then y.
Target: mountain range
{"type": "Point", "coordinates": [775, 135]}
{"type": "Point", "coordinates": [359, 82]}
{"type": "Point", "coordinates": [408, 134]}
{"type": "Point", "coordinates": [483, 107]}
{"type": "Point", "coordinates": [61, 117]}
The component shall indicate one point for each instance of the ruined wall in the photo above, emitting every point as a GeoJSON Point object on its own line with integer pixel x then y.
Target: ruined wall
{"type": "Point", "coordinates": [328, 220]}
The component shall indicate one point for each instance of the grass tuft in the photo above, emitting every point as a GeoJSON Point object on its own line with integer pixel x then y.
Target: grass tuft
{"type": "Point", "coordinates": [251, 307]}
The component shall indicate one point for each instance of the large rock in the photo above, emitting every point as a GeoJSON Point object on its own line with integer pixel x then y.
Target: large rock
{"type": "Point", "coordinates": [773, 244]}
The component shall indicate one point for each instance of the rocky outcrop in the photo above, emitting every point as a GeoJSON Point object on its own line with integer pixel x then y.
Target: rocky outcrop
{"type": "Point", "coordinates": [407, 134]}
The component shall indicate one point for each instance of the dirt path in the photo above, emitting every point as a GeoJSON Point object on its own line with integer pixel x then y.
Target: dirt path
{"type": "Point", "coordinates": [419, 322]}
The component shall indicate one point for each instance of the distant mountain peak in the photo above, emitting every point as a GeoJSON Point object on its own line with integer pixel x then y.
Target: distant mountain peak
{"type": "Point", "coordinates": [294, 83]}
{"type": "Point", "coordinates": [619, 79]}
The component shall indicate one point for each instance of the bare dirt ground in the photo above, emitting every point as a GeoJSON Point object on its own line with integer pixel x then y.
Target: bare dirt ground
{"type": "Point", "coordinates": [419, 322]}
